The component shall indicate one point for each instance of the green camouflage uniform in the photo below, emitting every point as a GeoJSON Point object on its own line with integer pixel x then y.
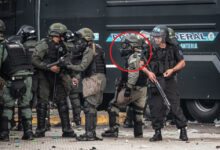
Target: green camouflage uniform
{"type": "Point", "coordinates": [46, 78]}
{"type": "Point", "coordinates": [24, 101]}
{"type": "Point", "coordinates": [74, 93]}
{"type": "Point", "coordinates": [91, 102]}
{"type": "Point", "coordinates": [137, 100]}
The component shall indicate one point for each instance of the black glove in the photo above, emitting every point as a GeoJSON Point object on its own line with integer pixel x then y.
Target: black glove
{"type": "Point", "coordinates": [127, 92]}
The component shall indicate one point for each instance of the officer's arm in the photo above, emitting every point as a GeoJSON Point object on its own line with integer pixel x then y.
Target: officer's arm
{"type": "Point", "coordinates": [179, 66]}
{"type": "Point", "coordinates": [38, 55]}
{"type": "Point", "coordinates": [133, 64]}
{"type": "Point", "coordinates": [86, 61]}
{"type": "Point", "coordinates": [145, 70]}
{"type": "Point", "coordinates": [180, 59]}
{"type": "Point", "coordinates": [1, 55]}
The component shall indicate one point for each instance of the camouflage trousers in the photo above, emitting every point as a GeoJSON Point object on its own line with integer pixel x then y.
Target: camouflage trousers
{"type": "Point", "coordinates": [45, 87]}
{"type": "Point", "coordinates": [137, 102]}
{"type": "Point", "coordinates": [75, 101]}
{"type": "Point", "coordinates": [23, 102]}
{"type": "Point", "coordinates": [95, 100]}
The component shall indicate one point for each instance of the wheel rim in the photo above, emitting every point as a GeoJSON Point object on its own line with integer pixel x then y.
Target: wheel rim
{"type": "Point", "coordinates": [205, 105]}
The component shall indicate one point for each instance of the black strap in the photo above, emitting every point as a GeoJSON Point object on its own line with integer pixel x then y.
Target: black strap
{"type": "Point", "coordinates": [10, 108]}
{"type": "Point", "coordinates": [135, 107]}
{"type": "Point", "coordinates": [3, 52]}
{"type": "Point", "coordinates": [25, 107]}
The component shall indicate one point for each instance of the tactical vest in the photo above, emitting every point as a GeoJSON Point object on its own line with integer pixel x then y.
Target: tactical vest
{"type": "Point", "coordinates": [77, 56]}
{"type": "Point", "coordinates": [98, 63]}
{"type": "Point", "coordinates": [17, 59]}
{"type": "Point", "coordinates": [142, 78]}
{"type": "Point", "coordinates": [162, 59]}
{"type": "Point", "coordinates": [55, 51]}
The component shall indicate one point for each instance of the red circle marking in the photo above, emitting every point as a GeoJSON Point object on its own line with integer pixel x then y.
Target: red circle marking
{"type": "Point", "coordinates": [125, 69]}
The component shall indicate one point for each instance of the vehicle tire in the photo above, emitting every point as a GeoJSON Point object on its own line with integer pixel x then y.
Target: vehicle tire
{"type": "Point", "coordinates": [185, 111]}
{"type": "Point", "coordinates": [203, 110]}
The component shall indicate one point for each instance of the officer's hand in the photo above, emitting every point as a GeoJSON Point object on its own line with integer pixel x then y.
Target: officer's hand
{"type": "Point", "coordinates": [152, 77]}
{"type": "Point", "coordinates": [55, 69]}
{"type": "Point", "coordinates": [75, 82]}
{"type": "Point", "coordinates": [168, 73]}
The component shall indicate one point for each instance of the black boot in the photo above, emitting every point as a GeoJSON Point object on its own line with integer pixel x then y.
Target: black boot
{"type": "Point", "coordinates": [4, 135]}
{"type": "Point", "coordinates": [138, 129]}
{"type": "Point", "coordinates": [128, 123]}
{"type": "Point", "coordinates": [65, 121]}
{"type": "Point", "coordinates": [183, 134]}
{"type": "Point", "coordinates": [77, 119]}
{"type": "Point", "coordinates": [90, 127]}
{"type": "Point", "coordinates": [28, 134]}
{"type": "Point", "coordinates": [48, 126]}
{"type": "Point", "coordinates": [19, 126]}
{"type": "Point", "coordinates": [113, 131]}
{"type": "Point", "coordinates": [157, 136]}
{"type": "Point", "coordinates": [41, 122]}
{"type": "Point", "coordinates": [12, 121]}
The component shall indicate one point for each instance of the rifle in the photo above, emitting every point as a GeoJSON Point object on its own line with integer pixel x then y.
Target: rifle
{"type": "Point", "coordinates": [160, 89]}
{"type": "Point", "coordinates": [118, 86]}
{"type": "Point", "coordinates": [60, 61]}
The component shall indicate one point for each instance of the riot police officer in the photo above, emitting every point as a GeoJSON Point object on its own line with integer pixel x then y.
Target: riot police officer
{"type": "Point", "coordinates": [128, 123]}
{"type": "Point", "coordinates": [93, 71]}
{"type": "Point", "coordinates": [74, 93]}
{"type": "Point", "coordinates": [29, 41]}
{"type": "Point", "coordinates": [134, 91]}
{"type": "Point", "coordinates": [16, 69]}
{"type": "Point", "coordinates": [166, 60]}
{"type": "Point", "coordinates": [54, 81]}
{"type": "Point", "coordinates": [2, 81]}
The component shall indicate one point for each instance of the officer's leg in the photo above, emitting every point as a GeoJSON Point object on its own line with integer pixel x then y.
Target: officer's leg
{"type": "Point", "coordinates": [42, 105]}
{"type": "Point", "coordinates": [139, 97]}
{"type": "Point", "coordinates": [174, 98]}
{"type": "Point", "coordinates": [13, 122]}
{"type": "Point", "coordinates": [90, 111]}
{"type": "Point", "coordinates": [128, 123]}
{"type": "Point", "coordinates": [76, 107]}
{"type": "Point", "coordinates": [113, 113]}
{"type": "Point", "coordinates": [7, 114]}
{"type": "Point", "coordinates": [61, 101]}
{"type": "Point", "coordinates": [48, 118]}
{"type": "Point", "coordinates": [157, 110]}
{"type": "Point", "coordinates": [26, 112]}
{"type": "Point", "coordinates": [19, 126]}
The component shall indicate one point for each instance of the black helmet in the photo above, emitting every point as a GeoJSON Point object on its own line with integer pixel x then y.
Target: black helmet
{"type": "Point", "coordinates": [69, 36]}
{"type": "Point", "coordinates": [161, 31]}
{"type": "Point", "coordinates": [27, 33]}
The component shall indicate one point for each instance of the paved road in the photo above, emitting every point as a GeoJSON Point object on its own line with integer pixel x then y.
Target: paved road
{"type": "Point", "coordinates": [202, 137]}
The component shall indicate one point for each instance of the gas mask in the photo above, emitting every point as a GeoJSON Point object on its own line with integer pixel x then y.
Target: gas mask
{"type": "Point", "coordinates": [81, 45]}
{"type": "Point", "coordinates": [126, 49]}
